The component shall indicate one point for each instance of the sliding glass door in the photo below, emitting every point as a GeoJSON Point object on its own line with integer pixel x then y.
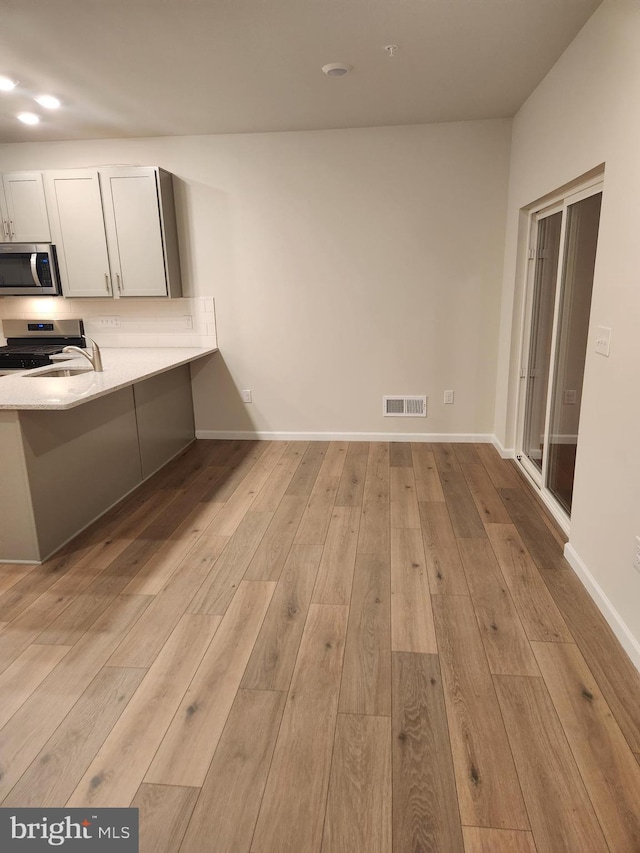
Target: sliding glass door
{"type": "Point", "coordinates": [562, 256]}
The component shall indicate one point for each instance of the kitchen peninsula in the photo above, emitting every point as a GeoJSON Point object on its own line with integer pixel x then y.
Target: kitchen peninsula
{"type": "Point", "coordinates": [72, 446]}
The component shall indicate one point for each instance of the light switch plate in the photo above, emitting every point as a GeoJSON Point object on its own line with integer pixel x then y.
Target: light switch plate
{"type": "Point", "coordinates": [603, 340]}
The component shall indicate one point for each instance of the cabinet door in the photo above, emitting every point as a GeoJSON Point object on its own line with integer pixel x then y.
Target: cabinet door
{"type": "Point", "coordinates": [78, 227]}
{"type": "Point", "coordinates": [134, 234]}
{"type": "Point", "coordinates": [26, 214]}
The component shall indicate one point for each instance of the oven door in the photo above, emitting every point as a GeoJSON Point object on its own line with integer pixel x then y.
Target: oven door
{"type": "Point", "coordinates": [28, 270]}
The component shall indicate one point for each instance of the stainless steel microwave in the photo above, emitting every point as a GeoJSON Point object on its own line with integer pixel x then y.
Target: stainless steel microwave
{"type": "Point", "coordinates": [29, 269]}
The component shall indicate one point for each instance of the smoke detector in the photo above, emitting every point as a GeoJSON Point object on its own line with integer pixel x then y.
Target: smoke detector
{"type": "Point", "coordinates": [336, 69]}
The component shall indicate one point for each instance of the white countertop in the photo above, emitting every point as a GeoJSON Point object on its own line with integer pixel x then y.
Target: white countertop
{"type": "Point", "coordinates": [32, 389]}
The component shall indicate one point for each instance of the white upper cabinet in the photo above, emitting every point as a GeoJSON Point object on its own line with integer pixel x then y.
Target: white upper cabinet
{"type": "Point", "coordinates": [115, 230]}
{"type": "Point", "coordinates": [23, 209]}
{"type": "Point", "coordinates": [139, 219]}
{"type": "Point", "coordinates": [77, 223]}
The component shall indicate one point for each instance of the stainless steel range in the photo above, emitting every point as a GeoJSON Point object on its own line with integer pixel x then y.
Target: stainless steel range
{"type": "Point", "coordinates": [31, 343]}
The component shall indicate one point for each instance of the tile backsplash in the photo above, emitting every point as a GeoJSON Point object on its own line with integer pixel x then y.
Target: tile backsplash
{"type": "Point", "coordinates": [185, 322]}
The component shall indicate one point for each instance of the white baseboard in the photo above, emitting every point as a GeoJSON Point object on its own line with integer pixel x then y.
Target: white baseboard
{"type": "Point", "coordinates": [505, 452]}
{"type": "Point", "coordinates": [619, 627]}
{"type": "Point", "coordinates": [457, 438]}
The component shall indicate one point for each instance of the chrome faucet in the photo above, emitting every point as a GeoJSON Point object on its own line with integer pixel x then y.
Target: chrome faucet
{"type": "Point", "coordinates": [95, 359]}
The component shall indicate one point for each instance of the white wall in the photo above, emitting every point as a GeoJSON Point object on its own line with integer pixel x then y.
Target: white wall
{"type": "Point", "coordinates": [585, 113]}
{"type": "Point", "coordinates": [344, 265]}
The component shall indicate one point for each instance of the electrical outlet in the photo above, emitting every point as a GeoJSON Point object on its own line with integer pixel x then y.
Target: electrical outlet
{"type": "Point", "coordinates": [246, 396]}
{"type": "Point", "coordinates": [107, 322]}
{"type": "Point", "coordinates": [448, 397]}
{"type": "Point", "coordinates": [569, 398]}
{"type": "Point", "coordinates": [603, 340]}
{"type": "Point", "coordinates": [636, 556]}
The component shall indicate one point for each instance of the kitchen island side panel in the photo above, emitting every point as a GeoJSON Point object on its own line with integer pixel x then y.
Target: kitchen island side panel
{"type": "Point", "coordinates": [79, 463]}
{"type": "Point", "coordinates": [164, 409]}
{"type": "Point", "coordinates": [18, 540]}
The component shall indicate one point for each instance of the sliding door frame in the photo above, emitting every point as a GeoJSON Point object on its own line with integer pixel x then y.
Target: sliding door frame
{"type": "Point", "coordinates": [551, 205]}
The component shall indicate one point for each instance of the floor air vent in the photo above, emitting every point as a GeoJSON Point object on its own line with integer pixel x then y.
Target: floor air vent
{"type": "Point", "coordinates": [404, 407]}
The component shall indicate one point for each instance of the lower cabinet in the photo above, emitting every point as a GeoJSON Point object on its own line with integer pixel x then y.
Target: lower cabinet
{"type": "Point", "coordinates": [63, 469]}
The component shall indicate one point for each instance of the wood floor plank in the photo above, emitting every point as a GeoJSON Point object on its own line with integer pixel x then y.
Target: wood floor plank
{"type": "Point", "coordinates": [428, 486]}
{"type": "Point", "coordinates": [351, 488]}
{"type": "Point", "coordinates": [118, 769]}
{"type": "Point", "coordinates": [412, 628]}
{"type": "Point", "coordinates": [299, 776]}
{"type": "Point", "coordinates": [487, 500]}
{"type": "Point", "coordinates": [317, 515]}
{"type": "Point", "coordinates": [307, 471]}
{"type": "Point", "coordinates": [271, 663]}
{"type": "Point", "coordinates": [538, 611]}
{"type": "Point", "coordinates": [480, 840]}
{"type": "Point", "coordinates": [446, 459]}
{"type": "Point", "coordinates": [562, 817]}
{"type": "Point", "coordinates": [165, 811]}
{"type": "Point", "coordinates": [239, 463]}
{"type": "Point", "coordinates": [143, 643]}
{"type": "Point", "coordinates": [616, 675]}
{"type": "Point", "coordinates": [607, 765]}
{"type": "Point", "coordinates": [488, 789]}
{"type": "Point", "coordinates": [272, 552]}
{"type": "Point", "coordinates": [466, 454]}
{"type": "Point", "coordinates": [60, 764]}
{"type": "Point", "coordinates": [30, 623]}
{"type": "Point", "coordinates": [218, 589]}
{"type": "Point", "coordinates": [541, 544]}
{"type": "Point", "coordinates": [272, 492]}
{"type": "Point", "coordinates": [404, 504]}
{"type": "Point", "coordinates": [26, 592]}
{"type": "Point", "coordinates": [375, 520]}
{"type": "Point", "coordinates": [465, 520]}
{"type": "Point", "coordinates": [22, 738]}
{"type": "Point", "coordinates": [188, 746]}
{"type": "Point", "coordinates": [506, 645]}
{"type": "Point", "coordinates": [160, 567]}
{"type": "Point", "coordinates": [359, 804]}
{"type": "Point", "coordinates": [400, 454]}
{"type": "Point", "coordinates": [238, 504]}
{"type": "Point", "coordinates": [366, 683]}
{"type": "Point", "coordinates": [24, 675]}
{"type": "Point", "coordinates": [444, 566]}
{"type": "Point", "coordinates": [500, 470]}
{"type": "Point", "coordinates": [335, 575]}
{"type": "Point", "coordinates": [115, 542]}
{"type": "Point", "coordinates": [13, 573]}
{"type": "Point", "coordinates": [425, 806]}
{"type": "Point", "coordinates": [228, 805]}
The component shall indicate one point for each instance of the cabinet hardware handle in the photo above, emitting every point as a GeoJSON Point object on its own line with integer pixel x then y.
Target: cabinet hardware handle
{"type": "Point", "coordinates": [13, 230]}
{"type": "Point", "coordinates": [119, 284]}
{"type": "Point", "coordinates": [106, 281]}
{"type": "Point", "coordinates": [5, 226]}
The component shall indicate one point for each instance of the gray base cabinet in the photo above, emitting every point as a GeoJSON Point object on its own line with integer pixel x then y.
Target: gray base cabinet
{"type": "Point", "coordinates": [64, 469]}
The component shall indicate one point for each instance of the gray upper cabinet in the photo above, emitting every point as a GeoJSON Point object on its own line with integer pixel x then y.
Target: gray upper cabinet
{"type": "Point", "coordinates": [23, 209]}
{"type": "Point", "coordinates": [115, 230]}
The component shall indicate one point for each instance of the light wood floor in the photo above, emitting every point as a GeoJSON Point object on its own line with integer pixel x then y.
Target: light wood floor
{"type": "Point", "coordinates": [323, 648]}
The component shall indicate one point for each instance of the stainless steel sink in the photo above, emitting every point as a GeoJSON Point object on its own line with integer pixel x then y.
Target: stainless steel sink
{"type": "Point", "coordinates": [60, 371]}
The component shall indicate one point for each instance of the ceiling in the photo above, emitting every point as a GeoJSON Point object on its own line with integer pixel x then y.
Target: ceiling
{"type": "Point", "coordinates": [128, 68]}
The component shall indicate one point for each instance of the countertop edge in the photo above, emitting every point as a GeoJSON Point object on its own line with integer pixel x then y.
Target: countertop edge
{"type": "Point", "coordinates": [194, 354]}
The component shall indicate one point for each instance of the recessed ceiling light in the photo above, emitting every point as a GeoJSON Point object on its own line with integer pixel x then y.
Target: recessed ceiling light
{"type": "Point", "coordinates": [6, 84]}
{"type": "Point", "coordinates": [336, 69]}
{"type": "Point", "coordinates": [29, 118]}
{"type": "Point", "coordinates": [47, 101]}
